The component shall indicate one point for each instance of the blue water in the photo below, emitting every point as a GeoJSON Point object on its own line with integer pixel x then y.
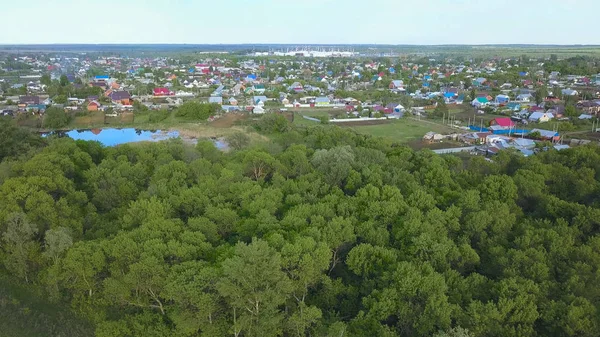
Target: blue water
{"type": "Point", "coordinates": [112, 137]}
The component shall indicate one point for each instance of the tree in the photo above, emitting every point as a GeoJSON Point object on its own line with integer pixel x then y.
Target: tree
{"type": "Point", "coordinates": [570, 111]}
{"type": "Point", "coordinates": [60, 99]}
{"type": "Point", "coordinates": [441, 109]}
{"type": "Point", "coordinates": [540, 94]}
{"type": "Point", "coordinates": [64, 81]}
{"type": "Point", "coordinates": [238, 140]}
{"type": "Point", "coordinates": [19, 246]}
{"type": "Point", "coordinates": [195, 111]}
{"type": "Point", "coordinates": [55, 118]}
{"type": "Point", "coordinates": [57, 242]}
{"type": "Point", "coordinates": [335, 164]}
{"type": "Point", "coordinates": [45, 79]}
{"type": "Point", "coordinates": [15, 141]}
{"type": "Point", "coordinates": [254, 286]}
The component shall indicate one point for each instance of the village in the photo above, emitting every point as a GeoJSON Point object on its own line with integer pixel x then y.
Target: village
{"type": "Point", "coordinates": [447, 104]}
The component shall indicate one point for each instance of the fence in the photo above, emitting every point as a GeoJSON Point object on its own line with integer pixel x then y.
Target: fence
{"type": "Point", "coordinates": [499, 132]}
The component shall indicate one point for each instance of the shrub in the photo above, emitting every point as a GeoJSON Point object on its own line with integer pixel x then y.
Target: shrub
{"type": "Point", "coordinates": [195, 111]}
{"type": "Point", "coordinates": [55, 118]}
{"type": "Point", "coordinates": [238, 140]}
{"type": "Point", "coordinates": [272, 123]}
{"type": "Point", "coordinates": [157, 116]}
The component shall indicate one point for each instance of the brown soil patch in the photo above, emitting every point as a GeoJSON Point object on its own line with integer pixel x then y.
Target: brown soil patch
{"type": "Point", "coordinates": [92, 118]}
{"type": "Point", "coordinates": [228, 120]}
{"type": "Point", "coordinates": [127, 117]}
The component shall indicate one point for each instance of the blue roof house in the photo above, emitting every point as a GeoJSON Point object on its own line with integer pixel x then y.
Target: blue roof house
{"type": "Point", "coordinates": [514, 106]}
{"type": "Point", "coordinates": [502, 99]}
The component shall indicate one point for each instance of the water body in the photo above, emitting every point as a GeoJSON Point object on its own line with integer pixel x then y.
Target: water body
{"type": "Point", "coordinates": [113, 137]}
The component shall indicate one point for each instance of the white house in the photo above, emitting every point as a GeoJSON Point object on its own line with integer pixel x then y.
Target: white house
{"type": "Point", "coordinates": [541, 117]}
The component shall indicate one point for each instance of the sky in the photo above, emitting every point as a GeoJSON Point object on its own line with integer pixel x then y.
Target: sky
{"type": "Point", "coordinates": [418, 22]}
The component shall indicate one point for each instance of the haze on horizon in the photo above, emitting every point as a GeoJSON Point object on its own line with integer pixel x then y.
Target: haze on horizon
{"type": "Point", "coordinates": [424, 22]}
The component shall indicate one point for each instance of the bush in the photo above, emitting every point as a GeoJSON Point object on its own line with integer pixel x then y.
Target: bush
{"type": "Point", "coordinates": [238, 140]}
{"type": "Point", "coordinates": [55, 118]}
{"type": "Point", "coordinates": [195, 111]}
{"type": "Point", "coordinates": [272, 123]}
{"type": "Point", "coordinates": [157, 116]}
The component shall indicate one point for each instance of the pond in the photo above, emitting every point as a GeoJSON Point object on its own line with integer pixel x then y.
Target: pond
{"type": "Point", "coordinates": [113, 137]}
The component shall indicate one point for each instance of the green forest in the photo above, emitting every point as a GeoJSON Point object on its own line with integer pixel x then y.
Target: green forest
{"type": "Point", "coordinates": [317, 232]}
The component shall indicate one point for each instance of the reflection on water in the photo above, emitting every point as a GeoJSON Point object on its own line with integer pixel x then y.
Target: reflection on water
{"type": "Point", "coordinates": [112, 137]}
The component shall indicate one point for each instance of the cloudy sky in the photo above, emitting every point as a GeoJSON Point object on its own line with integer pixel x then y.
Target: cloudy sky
{"type": "Point", "coordinates": [300, 21]}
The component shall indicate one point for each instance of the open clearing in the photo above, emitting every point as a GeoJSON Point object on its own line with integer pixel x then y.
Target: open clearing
{"type": "Point", "coordinates": [402, 130]}
{"type": "Point", "coordinates": [228, 120]}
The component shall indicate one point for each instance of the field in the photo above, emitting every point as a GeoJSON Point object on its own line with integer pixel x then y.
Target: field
{"type": "Point", "coordinates": [403, 130]}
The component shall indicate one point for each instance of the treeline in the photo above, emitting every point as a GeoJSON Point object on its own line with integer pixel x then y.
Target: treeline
{"type": "Point", "coordinates": [319, 232]}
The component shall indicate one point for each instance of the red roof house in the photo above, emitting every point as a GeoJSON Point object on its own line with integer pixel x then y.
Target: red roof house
{"type": "Point", "coordinates": [504, 122]}
{"type": "Point", "coordinates": [162, 92]}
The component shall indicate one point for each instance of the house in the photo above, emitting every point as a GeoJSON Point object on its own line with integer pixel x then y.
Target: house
{"type": "Point", "coordinates": [162, 92]}
{"type": "Point", "coordinates": [480, 102]}
{"type": "Point", "coordinates": [233, 101]}
{"type": "Point", "coordinates": [525, 98]}
{"type": "Point", "coordinates": [589, 107]}
{"type": "Point", "coordinates": [546, 134]}
{"type": "Point", "coordinates": [451, 93]}
{"type": "Point", "coordinates": [569, 92]}
{"type": "Point", "coordinates": [215, 99]}
{"type": "Point", "coordinates": [99, 78]}
{"type": "Point", "coordinates": [541, 117]}
{"type": "Point", "coordinates": [238, 89]}
{"type": "Point", "coordinates": [29, 100]}
{"type": "Point", "coordinates": [93, 106]}
{"type": "Point", "coordinates": [502, 99]}
{"type": "Point", "coordinates": [322, 101]}
{"type": "Point", "coordinates": [120, 97]}
{"type": "Point", "coordinates": [36, 108]}
{"type": "Point", "coordinates": [503, 122]}
{"type": "Point", "coordinates": [514, 106]}
{"type": "Point", "coordinates": [259, 88]}
{"type": "Point", "coordinates": [259, 100]}
{"type": "Point", "coordinates": [397, 85]}
{"type": "Point", "coordinates": [258, 110]}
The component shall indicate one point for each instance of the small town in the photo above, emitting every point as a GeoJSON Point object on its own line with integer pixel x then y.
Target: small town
{"type": "Point", "coordinates": [447, 104]}
{"type": "Point", "coordinates": [269, 168]}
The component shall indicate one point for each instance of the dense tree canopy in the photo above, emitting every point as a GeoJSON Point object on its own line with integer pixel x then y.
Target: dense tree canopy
{"type": "Point", "coordinates": [320, 232]}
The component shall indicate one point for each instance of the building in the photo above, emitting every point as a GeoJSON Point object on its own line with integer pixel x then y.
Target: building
{"type": "Point", "coordinates": [259, 100]}
{"type": "Point", "coordinates": [322, 101]}
{"type": "Point", "coordinates": [162, 92]}
{"type": "Point", "coordinates": [120, 97]}
{"type": "Point", "coordinates": [503, 122]}
{"type": "Point", "coordinates": [215, 99]}
{"type": "Point", "coordinates": [540, 117]}
{"type": "Point", "coordinates": [93, 106]}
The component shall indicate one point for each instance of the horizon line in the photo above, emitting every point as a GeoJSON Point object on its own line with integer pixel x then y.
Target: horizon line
{"type": "Point", "coordinates": [296, 44]}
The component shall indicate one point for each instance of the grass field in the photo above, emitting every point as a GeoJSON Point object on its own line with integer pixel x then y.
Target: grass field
{"type": "Point", "coordinates": [403, 130]}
